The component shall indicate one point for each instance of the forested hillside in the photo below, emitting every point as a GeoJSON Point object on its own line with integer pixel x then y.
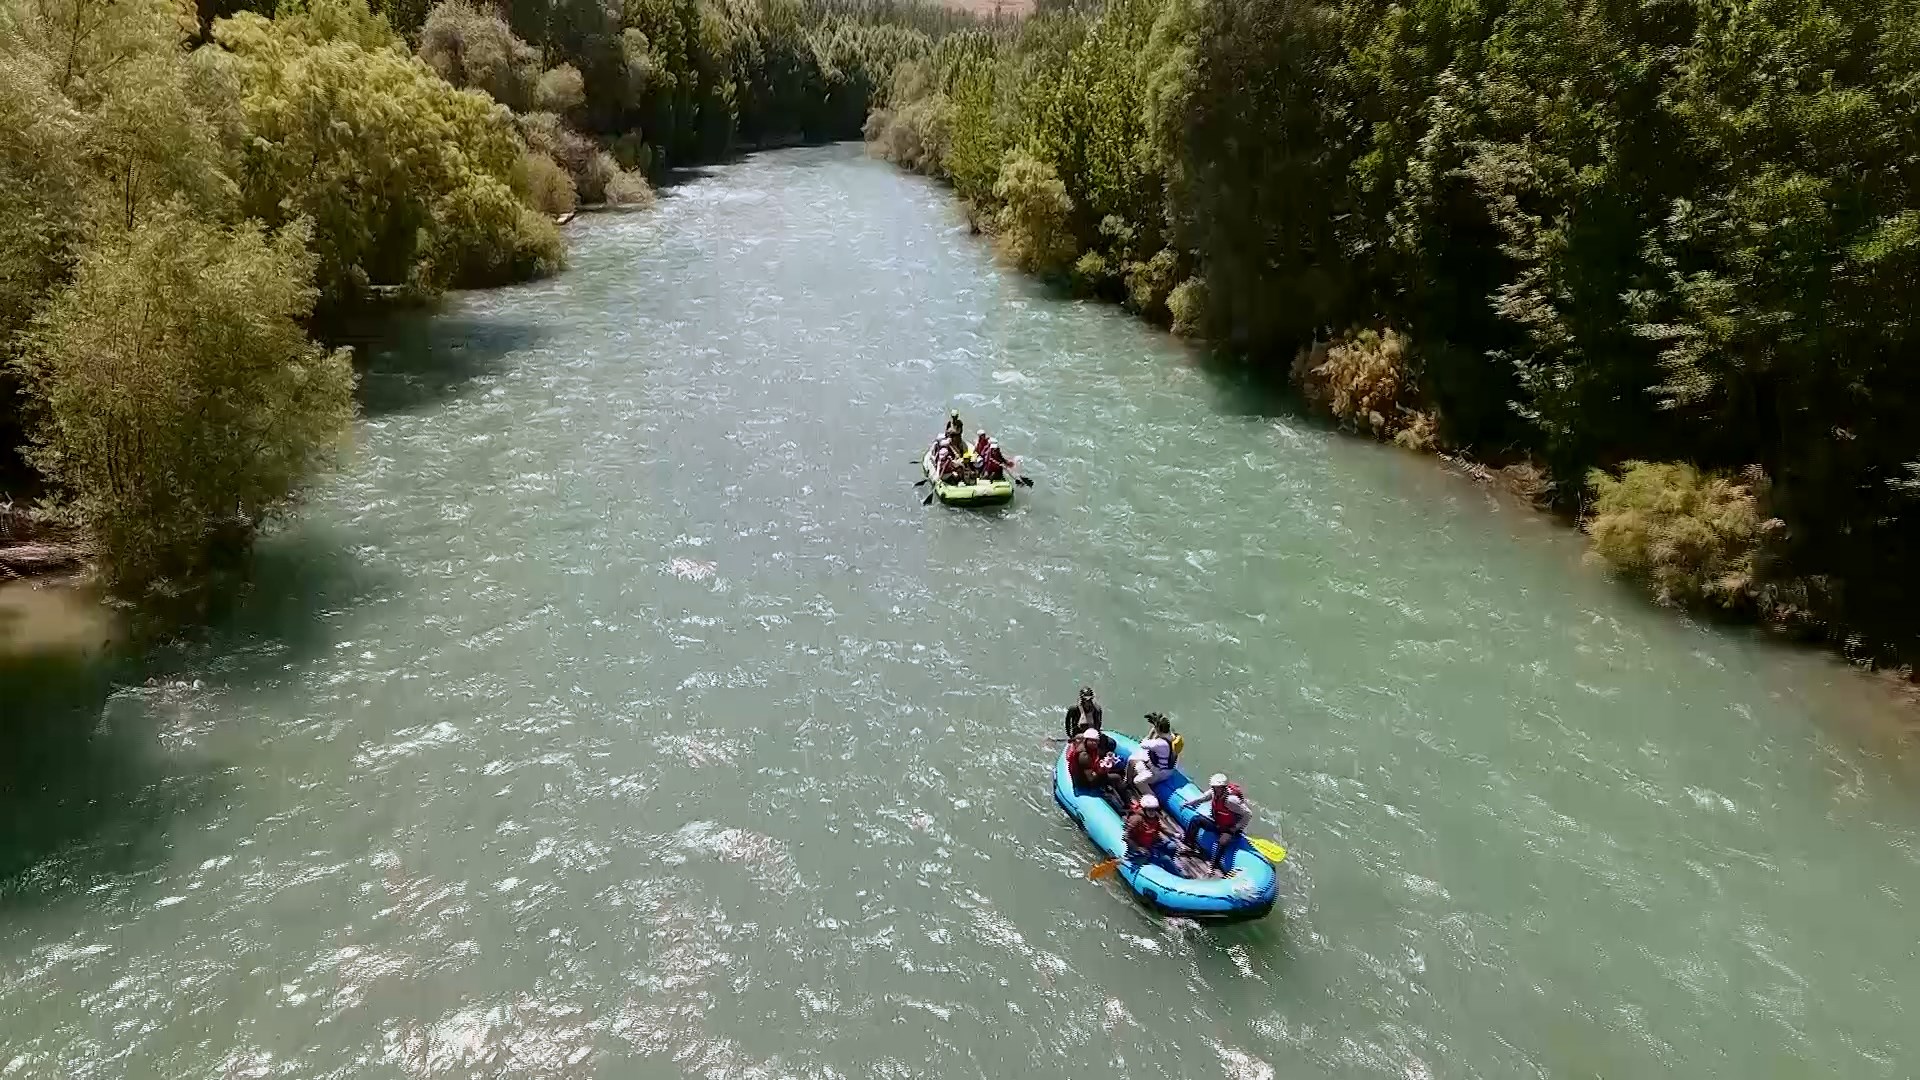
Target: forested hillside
{"type": "Point", "coordinates": [1660, 250]}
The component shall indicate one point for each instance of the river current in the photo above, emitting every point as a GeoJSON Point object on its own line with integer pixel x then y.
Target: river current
{"type": "Point", "coordinates": [619, 710]}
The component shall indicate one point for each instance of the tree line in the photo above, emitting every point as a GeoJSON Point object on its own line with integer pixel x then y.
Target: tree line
{"type": "Point", "coordinates": [1659, 250]}
{"type": "Point", "coordinates": [188, 197]}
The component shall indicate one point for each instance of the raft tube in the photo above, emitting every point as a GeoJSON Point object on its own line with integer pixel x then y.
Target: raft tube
{"type": "Point", "coordinates": [1248, 893]}
{"type": "Point", "coordinates": [980, 493]}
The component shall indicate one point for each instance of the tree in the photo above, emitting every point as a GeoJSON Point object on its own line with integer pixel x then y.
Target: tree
{"type": "Point", "coordinates": [368, 144]}
{"type": "Point", "coordinates": [181, 401]}
{"type": "Point", "coordinates": [471, 47]}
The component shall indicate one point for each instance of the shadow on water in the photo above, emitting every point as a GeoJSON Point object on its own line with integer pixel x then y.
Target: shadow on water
{"type": "Point", "coordinates": [1248, 389]}
{"type": "Point", "coordinates": [97, 758]}
{"type": "Point", "coordinates": [674, 178]}
{"type": "Point", "coordinates": [412, 360]}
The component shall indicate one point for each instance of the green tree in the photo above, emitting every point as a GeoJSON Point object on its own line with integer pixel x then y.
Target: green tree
{"type": "Point", "coordinates": [378, 152]}
{"type": "Point", "coordinates": [182, 404]}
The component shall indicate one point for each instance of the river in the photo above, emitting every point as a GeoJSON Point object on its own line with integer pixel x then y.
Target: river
{"type": "Point", "coordinates": [620, 711]}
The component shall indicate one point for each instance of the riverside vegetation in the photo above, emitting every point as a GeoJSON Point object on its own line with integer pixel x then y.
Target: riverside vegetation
{"type": "Point", "coordinates": [1658, 253]}
{"type": "Point", "coordinates": [187, 197]}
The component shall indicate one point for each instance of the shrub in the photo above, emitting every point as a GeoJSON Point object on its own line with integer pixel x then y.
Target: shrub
{"type": "Point", "coordinates": [1365, 380]}
{"type": "Point", "coordinates": [1187, 304]}
{"type": "Point", "coordinates": [593, 176]}
{"type": "Point", "coordinates": [1691, 536]}
{"type": "Point", "coordinates": [196, 420]}
{"type": "Point", "coordinates": [1033, 225]}
{"type": "Point", "coordinates": [628, 188]}
{"type": "Point", "coordinates": [1092, 270]}
{"type": "Point", "coordinates": [546, 184]}
{"type": "Point", "coordinates": [560, 90]}
{"type": "Point", "coordinates": [1149, 283]}
{"type": "Point", "coordinates": [484, 235]}
{"type": "Point", "coordinates": [632, 152]}
{"type": "Point", "coordinates": [915, 136]}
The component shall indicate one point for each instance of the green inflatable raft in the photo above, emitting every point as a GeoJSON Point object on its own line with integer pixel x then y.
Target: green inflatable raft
{"type": "Point", "coordinates": [979, 493]}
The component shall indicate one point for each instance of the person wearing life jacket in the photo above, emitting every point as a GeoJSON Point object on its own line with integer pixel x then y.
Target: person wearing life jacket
{"type": "Point", "coordinates": [955, 429]}
{"type": "Point", "coordinates": [1226, 818]}
{"type": "Point", "coordinates": [993, 463]}
{"type": "Point", "coordinates": [963, 463]}
{"type": "Point", "coordinates": [944, 465]}
{"type": "Point", "coordinates": [1144, 841]}
{"type": "Point", "coordinates": [1153, 761]}
{"type": "Point", "coordinates": [1162, 729]}
{"type": "Point", "coordinates": [1089, 763]}
{"type": "Point", "coordinates": [1084, 713]}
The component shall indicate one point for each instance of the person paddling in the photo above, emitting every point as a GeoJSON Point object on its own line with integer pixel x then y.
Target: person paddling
{"type": "Point", "coordinates": [1227, 818]}
{"type": "Point", "coordinates": [956, 429]}
{"type": "Point", "coordinates": [994, 464]}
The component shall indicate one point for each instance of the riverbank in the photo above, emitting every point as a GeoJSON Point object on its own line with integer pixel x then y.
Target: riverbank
{"type": "Point", "coordinates": [1458, 266]}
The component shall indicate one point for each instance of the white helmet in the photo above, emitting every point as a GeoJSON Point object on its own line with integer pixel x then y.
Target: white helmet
{"type": "Point", "coordinates": [1091, 734]}
{"type": "Point", "coordinates": [1149, 802]}
{"type": "Point", "coordinates": [1218, 779]}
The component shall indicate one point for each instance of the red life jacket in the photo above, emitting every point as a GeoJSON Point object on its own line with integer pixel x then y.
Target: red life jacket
{"type": "Point", "coordinates": [1225, 818]}
{"type": "Point", "coordinates": [1142, 830]}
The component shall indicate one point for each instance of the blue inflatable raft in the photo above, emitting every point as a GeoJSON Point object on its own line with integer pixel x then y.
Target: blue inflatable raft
{"type": "Point", "coordinates": [1249, 890]}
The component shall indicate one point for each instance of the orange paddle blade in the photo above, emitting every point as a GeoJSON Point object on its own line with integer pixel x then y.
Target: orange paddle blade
{"type": "Point", "coordinates": [1103, 869]}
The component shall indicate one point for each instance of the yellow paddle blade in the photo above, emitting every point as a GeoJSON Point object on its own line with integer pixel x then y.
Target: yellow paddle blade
{"type": "Point", "coordinates": [1268, 850]}
{"type": "Point", "coordinates": [1103, 869]}
{"type": "Point", "coordinates": [1179, 743]}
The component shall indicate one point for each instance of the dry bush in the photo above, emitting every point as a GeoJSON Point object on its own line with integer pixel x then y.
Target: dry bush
{"type": "Point", "coordinates": [1692, 537]}
{"type": "Point", "coordinates": [916, 135]}
{"type": "Point", "coordinates": [1365, 380]}
{"type": "Point", "coordinates": [560, 90]}
{"type": "Point", "coordinates": [628, 188]}
{"type": "Point", "coordinates": [546, 185]}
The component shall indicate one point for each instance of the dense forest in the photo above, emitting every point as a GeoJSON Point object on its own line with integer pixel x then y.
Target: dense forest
{"type": "Point", "coordinates": [1656, 254]}
{"type": "Point", "coordinates": [189, 197]}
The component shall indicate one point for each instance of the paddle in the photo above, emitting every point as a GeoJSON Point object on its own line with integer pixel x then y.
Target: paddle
{"type": "Point", "coordinates": [1103, 869]}
{"type": "Point", "coordinates": [1268, 850]}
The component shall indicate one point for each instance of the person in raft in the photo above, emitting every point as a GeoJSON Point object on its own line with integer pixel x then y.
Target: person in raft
{"type": "Point", "coordinates": [955, 429]}
{"type": "Point", "coordinates": [944, 466]}
{"type": "Point", "coordinates": [964, 468]}
{"type": "Point", "coordinates": [1084, 713]}
{"type": "Point", "coordinates": [993, 463]}
{"type": "Point", "coordinates": [1153, 761]}
{"type": "Point", "coordinates": [1227, 818]}
{"type": "Point", "coordinates": [1091, 765]}
{"type": "Point", "coordinates": [1160, 730]}
{"type": "Point", "coordinates": [1144, 842]}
